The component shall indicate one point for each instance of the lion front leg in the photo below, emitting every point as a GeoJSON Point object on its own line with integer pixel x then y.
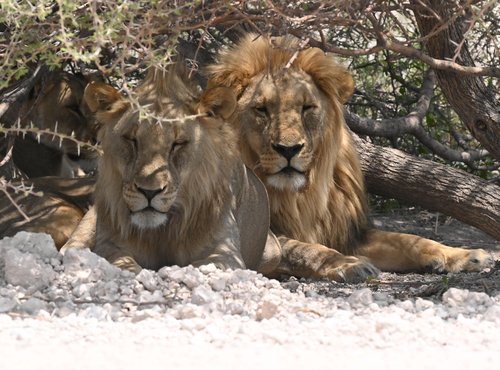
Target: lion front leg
{"type": "Point", "coordinates": [84, 236]}
{"type": "Point", "coordinates": [318, 261]}
{"type": "Point", "coordinates": [224, 251]}
{"type": "Point", "coordinates": [117, 256]}
{"type": "Point", "coordinates": [399, 252]}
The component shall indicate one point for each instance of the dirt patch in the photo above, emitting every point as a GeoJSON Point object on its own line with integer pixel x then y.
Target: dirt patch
{"type": "Point", "coordinates": [429, 285]}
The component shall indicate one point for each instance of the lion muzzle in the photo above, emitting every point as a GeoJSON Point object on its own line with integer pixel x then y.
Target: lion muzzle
{"type": "Point", "coordinates": [149, 207]}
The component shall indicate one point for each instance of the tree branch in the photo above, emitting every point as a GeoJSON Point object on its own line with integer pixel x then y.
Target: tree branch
{"type": "Point", "coordinates": [444, 65]}
{"type": "Point", "coordinates": [412, 124]}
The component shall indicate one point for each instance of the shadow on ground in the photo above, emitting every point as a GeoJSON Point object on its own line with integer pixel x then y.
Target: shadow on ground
{"type": "Point", "coordinates": [430, 286]}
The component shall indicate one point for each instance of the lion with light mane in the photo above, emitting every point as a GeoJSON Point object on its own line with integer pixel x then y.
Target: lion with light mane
{"type": "Point", "coordinates": [292, 133]}
{"type": "Point", "coordinates": [171, 188]}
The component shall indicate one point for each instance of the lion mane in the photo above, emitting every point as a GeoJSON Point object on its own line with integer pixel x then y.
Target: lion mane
{"type": "Point", "coordinates": [171, 188]}
{"type": "Point", "coordinates": [332, 208]}
{"type": "Point", "coordinates": [292, 133]}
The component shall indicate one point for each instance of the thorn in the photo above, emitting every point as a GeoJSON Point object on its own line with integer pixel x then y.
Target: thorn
{"type": "Point", "coordinates": [55, 131]}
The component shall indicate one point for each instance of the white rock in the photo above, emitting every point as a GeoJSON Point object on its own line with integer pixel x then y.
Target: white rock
{"type": "Point", "coordinates": [95, 312]}
{"type": "Point", "coordinates": [493, 314]}
{"type": "Point", "coordinates": [148, 297]}
{"type": "Point", "coordinates": [423, 304]}
{"type": "Point", "coordinates": [266, 310]}
{"type": "Point", "coordinates": [7, 304]}
{"type": "Point", "coordinates": [193, 277]}
{"type": "Point", "coordinates": [218, 283]}
{"type": "Point", "coordinates": [239, 275]}
{"type": "Point", "coordinates": [202, 295]}
{"type": "Point", "coordinates": [88, 266]}
{"type": "Point", "coordinates": [177, 274]}
{"type": "Point", "coordinates": [361, 297]}
{"type": "Point", "coordinates": [82, 290]}
{"type": "Point", "coordinates": [26, 270]}
{"type": "Point", "coordinates": [188, 311]}
{"type": "Point", "coordinates": [147, 278]}
{"type": "Point", "coordinates": [208, 269]}
{"type": "Point", "coordinates": [191, 281]}
{"type": "Point", "coordinates": [33, 305]}
{"type": "Point", "coordinates": [480, 299]}
{"type": "Point", "coordinates": [126, 290]}
{"type": "Point", "coordinates": [41, 245]}
{"type": "Point", "coordinates": [454, 296]}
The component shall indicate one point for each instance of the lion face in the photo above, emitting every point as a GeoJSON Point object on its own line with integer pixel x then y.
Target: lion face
{"type": "Point", "coordinates": [289, 112]}
{"type": "Point", "coordinates": [59, 106]}
{"type": "Point", "coordinates": [151, 159]}
{"type": "Point", "coordinates": [159, 149]}
{"type": "Point", "coordinates": [282, 122]}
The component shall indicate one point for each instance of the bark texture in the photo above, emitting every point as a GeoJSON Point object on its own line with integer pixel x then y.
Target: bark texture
{"type": "Point", "coordinates": [475, 103]}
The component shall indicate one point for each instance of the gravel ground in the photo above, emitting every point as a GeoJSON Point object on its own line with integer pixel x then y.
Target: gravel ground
{"type": "Point", "coordinates": [79, 312]}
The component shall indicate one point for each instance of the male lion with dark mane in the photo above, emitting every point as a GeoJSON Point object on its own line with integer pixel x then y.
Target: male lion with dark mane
{"type": "Point", "coordinates": [292, 133]}
{"type": "Point", "coordinates": [171, 188]}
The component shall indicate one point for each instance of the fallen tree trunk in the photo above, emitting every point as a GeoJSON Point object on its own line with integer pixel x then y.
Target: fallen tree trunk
{"type": "Point", "coordinates": [393, 173]}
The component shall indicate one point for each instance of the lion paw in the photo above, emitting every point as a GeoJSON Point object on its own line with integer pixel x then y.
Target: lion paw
{"type": "Point", "coordinates": [462, 260]}
{"type": "Point", "coordinates": [127, 263]}
{"type": "Point", "coordinates": [351, 270]}
{"type": "Point", "coordinates": [472, 260]}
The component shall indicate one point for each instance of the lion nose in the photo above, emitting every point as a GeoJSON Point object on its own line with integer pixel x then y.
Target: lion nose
{"type": "Point", "coordinates": [148, 193]}
{"type": "Point", "coordinates": [288, 151]}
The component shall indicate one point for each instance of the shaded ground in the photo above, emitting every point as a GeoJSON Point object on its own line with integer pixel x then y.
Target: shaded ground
{"type": "Point", "coordinates": [430, 286]}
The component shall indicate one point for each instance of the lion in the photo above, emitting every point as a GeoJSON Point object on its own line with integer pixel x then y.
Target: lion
{"type": "Point", "coordinates": [54, 104]}
{"type": "Point", "coordinates": [171, 188]}
{"type": "Point", "coordinates": [57, 211]}
{"type": "Point", "coordinates": [293, 135]}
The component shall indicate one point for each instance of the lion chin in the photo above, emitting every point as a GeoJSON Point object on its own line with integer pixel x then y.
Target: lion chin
{"type": "Point", "coordinates": [288, 179]}
{"type": "Point", "coordinates": [148, 219]}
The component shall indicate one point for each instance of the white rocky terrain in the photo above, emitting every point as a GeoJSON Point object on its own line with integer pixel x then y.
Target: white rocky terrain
{"type": "Point", "coordinates": [80, 312]}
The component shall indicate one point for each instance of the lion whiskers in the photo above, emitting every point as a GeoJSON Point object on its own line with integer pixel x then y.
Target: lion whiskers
{"type": "Point", "coordinates": [257, 165]}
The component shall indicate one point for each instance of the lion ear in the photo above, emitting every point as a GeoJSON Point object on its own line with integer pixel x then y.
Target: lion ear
{"type": "Point", "coordinates": [330, 76]}
{"type": "Point", "coordinates": [104, 101]}
{"type": "Point", "coordinates": [345, 86]}
{"type": "Point", "coordinates": [220, 101]}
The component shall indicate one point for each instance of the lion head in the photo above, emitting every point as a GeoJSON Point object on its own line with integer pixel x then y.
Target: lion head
{"type": "Point", "coordinates": [292, 133]}
{"type": "Point", "coordinates": [54, 104]}
{"type": "Point", "coordinates": [166, 173]}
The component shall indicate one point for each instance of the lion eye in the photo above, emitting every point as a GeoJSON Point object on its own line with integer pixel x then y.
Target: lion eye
{"type": "Point", "coordinates": [74, 108]}
{"type": "Point", "coordinates": [262, 110]}
{"type": "Point", "coordinates": [178, 145]}
{"type": "Point", "coordinates": [307, 107]}
{"type": "Point", "coordinates": [132, 141]}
